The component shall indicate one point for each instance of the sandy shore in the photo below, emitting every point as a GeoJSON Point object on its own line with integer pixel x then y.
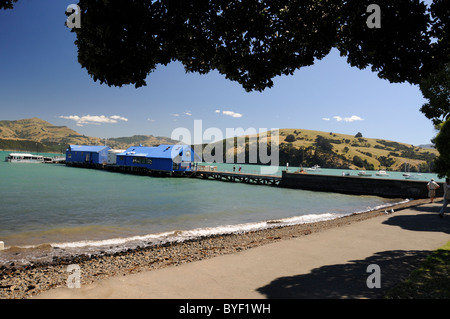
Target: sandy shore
{"type": "Point", "coordinates": [31, 280]}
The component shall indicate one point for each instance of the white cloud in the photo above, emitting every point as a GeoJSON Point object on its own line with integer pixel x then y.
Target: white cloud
{"type": "Point", "coordinates": [353, 118]}
{"type": "Point", "coordinates": [94, 119]}
{"type": "Point", "coordinates": [117, 117]}
{"type": "Point", "coordinates": [186, 113]}
{"type": "Point", "coordinates": [232, 114]}
{"type": "Point", "coordinates": [348, 119]}
{"type": "Point", "coordinates": [71, 117]}
{"type": "Point", "coordinates": [325, 118]}
{"type": "Point", "coordinates": [150, 119]}
{"type": "Point", "coordinates": [217, 111]}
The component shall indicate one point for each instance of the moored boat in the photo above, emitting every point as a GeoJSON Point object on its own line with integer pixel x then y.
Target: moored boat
{"type": "Point", "coordinates": [363, 173]}
{"type": "Point", "coordinates": [382, 173]}
{"type": "Point", "coordinates": [24, 158]}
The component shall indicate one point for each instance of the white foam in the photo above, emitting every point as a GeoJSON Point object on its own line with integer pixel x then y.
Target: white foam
{"type": "Point", "coordinates": [176, 236]}
{"type": "Point", "coordinates": [182, 235]}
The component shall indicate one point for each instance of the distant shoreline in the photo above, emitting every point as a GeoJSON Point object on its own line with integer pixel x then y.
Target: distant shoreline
{"type": "Point", "coordinates": [30, 280]}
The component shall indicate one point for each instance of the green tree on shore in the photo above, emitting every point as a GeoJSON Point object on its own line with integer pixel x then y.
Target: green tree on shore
{"type": "Point", "coordinates": [442, 141]}
{"type": "Point", "coordinates": [436, 89]}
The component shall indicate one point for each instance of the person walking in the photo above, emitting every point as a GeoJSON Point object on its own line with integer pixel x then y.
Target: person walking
{"type": "Point", "coordinates": [432, 186]}
{"type": "Point", "coordinates": [446, 197]}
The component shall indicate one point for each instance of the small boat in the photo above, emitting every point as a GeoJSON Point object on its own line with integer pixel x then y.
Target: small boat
{"type": "Point", "coordinates": [24, 158]}
{"type": "Point", "coordinates": [382, 173]}
{"type": "Point", "coordinates": [407, 174]}
{"type": "Point", "coordinates": [363, 173]}
{"type": "Point", "coordinates": [314, 168]}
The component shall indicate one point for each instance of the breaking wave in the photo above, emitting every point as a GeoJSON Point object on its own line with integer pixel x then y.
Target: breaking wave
{"type": "Point", "coordinates": [27, 254]}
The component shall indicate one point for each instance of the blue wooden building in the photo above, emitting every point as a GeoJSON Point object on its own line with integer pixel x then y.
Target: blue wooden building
{"type": "Point", "coordinates": [163, 158]}
{"type": "Point", "coordinates": [87, 155]}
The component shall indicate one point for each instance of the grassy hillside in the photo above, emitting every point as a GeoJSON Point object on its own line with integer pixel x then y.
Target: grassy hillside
{"type": "Point", "coordinates": [38, 130]}
{"type": "Point", "coordinates": [36, 135]}
{"type": "Point", "coordinates": [300, 147]}
{"type": "Point", "coordinates": [361, 152]}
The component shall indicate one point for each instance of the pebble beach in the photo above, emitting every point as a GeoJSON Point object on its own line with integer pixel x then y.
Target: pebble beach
{"type": "Point", "coordinates": [25, 281]}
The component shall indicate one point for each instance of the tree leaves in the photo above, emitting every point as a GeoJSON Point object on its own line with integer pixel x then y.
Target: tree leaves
{"type": "Point", "coordinates": [7, 4]}
{"type": "Point", "coordinates": [398, 50]}
{"type": "Point", "coordinates": [253, 41]}
{"type": "Point", "coordinates": [442, 141]}
{"type": "Point", "coordinates": [436, 88]}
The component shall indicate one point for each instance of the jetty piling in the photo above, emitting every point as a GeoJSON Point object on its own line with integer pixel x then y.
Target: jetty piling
{"type": "Point", "coordinates": [239, 177]}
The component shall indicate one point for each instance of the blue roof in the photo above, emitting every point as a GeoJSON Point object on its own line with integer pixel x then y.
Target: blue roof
{"type": "Point", "coordinates": [161, 151]}
{"type": "Point", "coordinates": [87, 148]}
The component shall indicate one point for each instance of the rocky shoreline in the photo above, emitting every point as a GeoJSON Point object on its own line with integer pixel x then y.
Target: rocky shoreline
{"type": "Point", "coordinates": [19, 282]}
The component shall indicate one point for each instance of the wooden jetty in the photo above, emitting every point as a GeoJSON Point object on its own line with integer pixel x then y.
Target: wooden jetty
{"type": "Point", "coordinates": [238, 177]}
{"type": "Point", "coordinates": [203, 172]}
{"type": "Point", "coordinates": [55, 159]}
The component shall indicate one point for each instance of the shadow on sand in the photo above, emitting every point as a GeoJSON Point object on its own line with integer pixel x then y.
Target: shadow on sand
{"type": "Point", "coordinates": [350, 280]}
{"type": "Point", "coordinates": [428, 220]}
{"type": "Point", "coordinates": [347, 280]}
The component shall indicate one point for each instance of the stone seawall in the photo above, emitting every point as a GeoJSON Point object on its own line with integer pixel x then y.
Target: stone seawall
{"type": "Point", "coordinates": [356, 185]}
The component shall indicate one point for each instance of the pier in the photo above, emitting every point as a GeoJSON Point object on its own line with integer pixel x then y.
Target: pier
{"type": "Point", "coordinates": [238, 177]}
{"type": "Point", "coordinates": [352, 185]}
{"type": "Point", "coordinates": [204, 172]}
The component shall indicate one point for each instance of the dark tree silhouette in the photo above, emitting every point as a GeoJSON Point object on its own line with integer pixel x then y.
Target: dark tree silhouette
{"type": "Point", "coordinates": [253, 41]}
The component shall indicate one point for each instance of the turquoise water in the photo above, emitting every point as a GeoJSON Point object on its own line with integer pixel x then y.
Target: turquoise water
{"type": "Point", "coordinates": [75, 208]}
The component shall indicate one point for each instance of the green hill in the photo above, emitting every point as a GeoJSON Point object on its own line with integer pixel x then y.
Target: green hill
{"type": "Point", "coordinates": [341, 150]}
{"type": "Point", "coordinates": [306, 148]}
{"type": "Point", "coordinates": [36, 135]}
{"type": "Point", "coordinates": [38, 130]}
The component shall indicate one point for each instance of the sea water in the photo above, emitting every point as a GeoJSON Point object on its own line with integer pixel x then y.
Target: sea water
{"type": "Point", "coordinates": [78, 210]}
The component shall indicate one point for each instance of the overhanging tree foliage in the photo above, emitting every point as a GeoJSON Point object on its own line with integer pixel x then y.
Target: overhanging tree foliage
{"type": "Point", "coordinates": [7, 4]}
{"type": "Point", "coordinates": [436, 89]}
{"type": "Point", "coordinates": [442, 142]}
{"type": "Point", "coordinates": [253, 41]}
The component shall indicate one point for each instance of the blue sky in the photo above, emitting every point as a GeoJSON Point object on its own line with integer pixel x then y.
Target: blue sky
{"type": "Point", "coordinates": [40, 77]}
